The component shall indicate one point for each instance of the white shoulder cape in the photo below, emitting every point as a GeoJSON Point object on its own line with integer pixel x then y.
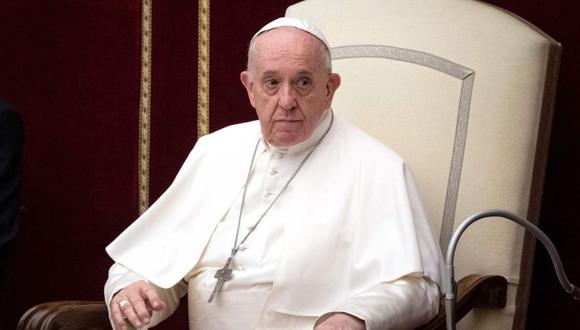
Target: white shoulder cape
{"type": "Point", "coordinates": [353, 219]}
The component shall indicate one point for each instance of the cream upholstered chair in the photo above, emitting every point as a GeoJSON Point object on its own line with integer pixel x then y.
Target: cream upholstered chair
{"type": "Point", "coordinates": [464, 92]}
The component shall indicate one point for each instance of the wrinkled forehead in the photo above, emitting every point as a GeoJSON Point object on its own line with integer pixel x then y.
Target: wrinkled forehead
{"type": "Point", "coordinates": [288, 38]}
{"type": "Point", "coordinates": [288, 46]}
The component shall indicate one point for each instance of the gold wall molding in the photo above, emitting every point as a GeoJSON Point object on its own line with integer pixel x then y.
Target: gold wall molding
{"type": "Point", "coordinates": [145, 106]}
{"type": "Point", "coordinates": [203, 67]}
{"type": "Point", "coordinates": [145, 91]}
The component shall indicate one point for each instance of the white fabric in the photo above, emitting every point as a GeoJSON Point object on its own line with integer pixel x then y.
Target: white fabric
{"type": "Point", "coordinates": [367, 229]}
{"type": "Point", "coordinates": [295, 23]}
{"type": "Point", "coordinates": [405, 303]}
{"type": "Point", "coordinates": [256, 260]}
{"type": "Point", "coordinates": [402, 304]}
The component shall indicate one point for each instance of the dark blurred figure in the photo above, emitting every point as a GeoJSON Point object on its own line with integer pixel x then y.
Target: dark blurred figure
{"type": "Point", "coordinates": [11, 139]}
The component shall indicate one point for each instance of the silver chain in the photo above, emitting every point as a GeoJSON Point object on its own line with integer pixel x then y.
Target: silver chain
{"type": "Point", "coordinates": [236, 245]}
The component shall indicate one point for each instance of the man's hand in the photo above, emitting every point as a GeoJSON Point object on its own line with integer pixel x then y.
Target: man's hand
{"type": "Point", "coordinates": [135, 304]}
{"type": "Point", "coordinates": [341, 321]}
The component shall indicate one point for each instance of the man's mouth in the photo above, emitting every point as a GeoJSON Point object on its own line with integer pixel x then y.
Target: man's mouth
{"type": "Point", "coordinates": [287, 120]}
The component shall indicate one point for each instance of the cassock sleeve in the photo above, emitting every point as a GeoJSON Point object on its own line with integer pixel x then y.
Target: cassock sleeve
{"type": "Point", "coordinates": [405, 303]}
{"type": "Point", "coordinates": [120, 277]}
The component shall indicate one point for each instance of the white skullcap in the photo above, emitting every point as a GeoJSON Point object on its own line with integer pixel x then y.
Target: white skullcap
{"type": "Point", "coordinates": [295, 23]}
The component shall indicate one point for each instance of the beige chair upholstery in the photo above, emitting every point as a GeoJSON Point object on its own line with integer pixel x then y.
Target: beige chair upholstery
{"type": "Point", "coordinates": [464, 92]}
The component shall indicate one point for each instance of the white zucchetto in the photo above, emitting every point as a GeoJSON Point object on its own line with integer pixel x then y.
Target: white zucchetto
{"type": "Point", "coordinates": [295, 23]}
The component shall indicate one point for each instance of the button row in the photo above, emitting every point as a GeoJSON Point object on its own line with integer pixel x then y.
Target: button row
{"type": "Point", "coordinates": [267, 194]}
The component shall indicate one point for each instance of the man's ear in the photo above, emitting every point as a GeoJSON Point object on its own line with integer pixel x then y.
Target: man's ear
{"type": "Point", "coordinates": [332, 85]}
{"type": "Point", "coordinates": [249, 85]}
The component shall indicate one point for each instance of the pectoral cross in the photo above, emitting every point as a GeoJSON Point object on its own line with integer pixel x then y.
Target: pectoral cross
{"type": "Point", "coordinates": [223, 274]}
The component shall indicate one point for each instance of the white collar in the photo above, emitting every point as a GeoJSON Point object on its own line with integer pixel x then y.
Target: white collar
{"type": "Point", "coordinates": [318, 133]}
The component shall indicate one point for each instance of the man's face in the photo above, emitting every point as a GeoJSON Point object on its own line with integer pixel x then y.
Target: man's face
{"type": "Point", "coordinates": [289, 85]}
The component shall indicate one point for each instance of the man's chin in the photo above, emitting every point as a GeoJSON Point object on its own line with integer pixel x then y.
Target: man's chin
{"type": "Point", "coordinates": [286, 139]}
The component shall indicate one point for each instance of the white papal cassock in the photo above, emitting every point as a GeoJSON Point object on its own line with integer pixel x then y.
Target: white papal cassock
{"type": "Point", "coordinates": [349, 234]}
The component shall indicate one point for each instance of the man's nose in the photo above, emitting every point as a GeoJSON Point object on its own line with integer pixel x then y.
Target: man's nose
{"type": "Point", "coordinates": [287, 97]}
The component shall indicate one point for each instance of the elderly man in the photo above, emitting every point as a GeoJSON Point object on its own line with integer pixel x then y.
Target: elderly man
{"type": "Point", "coordinates": [297, 221]}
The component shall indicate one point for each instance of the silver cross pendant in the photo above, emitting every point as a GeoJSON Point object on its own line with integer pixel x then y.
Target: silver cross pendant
{"type": "Point", "coordinates": [224, 274]}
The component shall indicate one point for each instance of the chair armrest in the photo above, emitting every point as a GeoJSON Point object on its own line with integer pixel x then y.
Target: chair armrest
{"type": "Point", "coordinates": [68, 314]}
{"type": "Point", "coordinates": [472, 291]}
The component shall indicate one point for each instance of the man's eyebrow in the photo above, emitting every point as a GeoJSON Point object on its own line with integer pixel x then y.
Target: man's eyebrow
{"type": "Point", "coordinates": [305, 72]}
{"type": "Point", "coordinates": [269, 73]}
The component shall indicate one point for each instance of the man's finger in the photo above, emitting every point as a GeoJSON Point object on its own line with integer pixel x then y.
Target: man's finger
{"type": "Point", "coordinates": [129, 313]}
{"type": "Point", "coordinates": [150, 293]}
{"type": "Point", "coordinates": [117, 316]}
{"type": "Point", "coordinates": [139, 307]}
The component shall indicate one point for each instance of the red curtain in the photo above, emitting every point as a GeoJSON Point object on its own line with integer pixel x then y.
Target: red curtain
{"type": "Point", "coordinates": [72, 68]}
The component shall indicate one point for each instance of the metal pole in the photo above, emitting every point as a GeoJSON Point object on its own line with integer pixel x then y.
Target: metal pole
{"type": "Point", "coordinates": [450, 285]}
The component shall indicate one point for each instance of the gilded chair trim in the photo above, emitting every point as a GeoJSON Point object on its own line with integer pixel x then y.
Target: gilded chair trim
{"type": "Point", "coordinates": [467, 77]}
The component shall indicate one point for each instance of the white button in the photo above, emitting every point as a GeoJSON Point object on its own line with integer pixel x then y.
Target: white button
{"type": "Point", "coordinates": [278, 155]}
{"type": "Point", "coordinates": [241, 268]}
{"type": "Point", "coordinates": [251, 227]}
{"type": "Point", "coordinates": [273, 171]}
{"type": "Point", "coordinates": [242, 247]}
{"type": "Point", "coordinates": [267, 194]}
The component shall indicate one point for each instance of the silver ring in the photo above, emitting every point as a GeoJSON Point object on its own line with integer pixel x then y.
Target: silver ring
{"type": "Point", "coordinates": [124, 303]}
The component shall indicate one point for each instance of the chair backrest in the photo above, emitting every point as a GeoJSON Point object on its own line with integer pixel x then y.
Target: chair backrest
{"type": "Point", "coordinates": [464, 92]}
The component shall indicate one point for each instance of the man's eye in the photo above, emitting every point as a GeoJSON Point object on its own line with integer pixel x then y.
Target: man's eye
{"type": "Point", "coordinates": [303, 83]}
{"type": "Point", "coordinates": [272, 83]}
